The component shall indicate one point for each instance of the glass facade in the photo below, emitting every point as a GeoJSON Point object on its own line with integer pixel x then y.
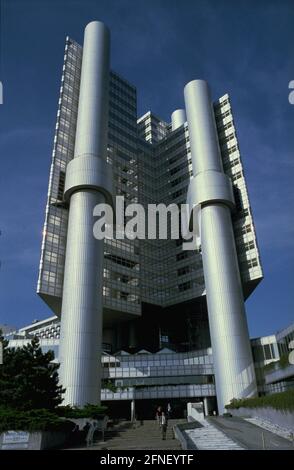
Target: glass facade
{"type": "Point", "coordinates": [151, 164]}
{"type": "Point", "coordinates": [153, 290]}
{"type": "Point", "coordinates": [166, 373]}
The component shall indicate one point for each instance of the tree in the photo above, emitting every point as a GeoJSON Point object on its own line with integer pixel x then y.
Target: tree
{"type": "Point", "coordinates": [28, 378]}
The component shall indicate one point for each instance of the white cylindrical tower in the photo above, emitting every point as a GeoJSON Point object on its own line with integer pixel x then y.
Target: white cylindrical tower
{"type": "Point", "coordinates": [211, 190]}
{"type": "Point", "coordinates": [88, 182]}
{"type": "Point", "coordinates": [178, 118]}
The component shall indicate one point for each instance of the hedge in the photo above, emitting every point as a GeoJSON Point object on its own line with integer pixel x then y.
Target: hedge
{"type": "Point", "coordinates": [33, 420]}
{"type": "Point", "coordinates": [44, 420]}
{"type": "Point", "coordinates": [278, 401]}
{"type": "Point", "coordinates": [89, 411]}
{"type": "Point", "coordinates": [282, 363]}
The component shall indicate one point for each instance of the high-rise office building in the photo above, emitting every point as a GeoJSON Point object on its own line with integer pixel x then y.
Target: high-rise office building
{"type": "Point", "coordinates": [128, 299]}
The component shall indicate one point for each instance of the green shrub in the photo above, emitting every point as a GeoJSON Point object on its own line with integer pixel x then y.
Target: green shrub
{"type": "Point", "coordinates": [109, 385]}
{"type": "Point", "coordinates": [271, 366]}
{"type": "Point", "coordinates": [33, 420]}
{"type": "Point", "coordinates": [282, 363]}
{"type": "Point", "coordinates": [278, 401]}
{"type": "Point", "coordinates": [89, 411]}
{"type": "Point", "coordinates": [28, 378]}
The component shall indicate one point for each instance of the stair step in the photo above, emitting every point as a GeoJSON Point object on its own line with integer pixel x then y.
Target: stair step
{"type": "Point", "coordinates": [146, 436]}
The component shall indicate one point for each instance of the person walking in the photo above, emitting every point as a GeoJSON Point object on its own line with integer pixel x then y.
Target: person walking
{"type": "Point", "coordinates": [158, 415]}
{"type": "Point", "coordinates": [169, 410]}
{"type": "Point", "coordinates": [91, 427]}
{"type": "Point", "coordinates": [163, 425]}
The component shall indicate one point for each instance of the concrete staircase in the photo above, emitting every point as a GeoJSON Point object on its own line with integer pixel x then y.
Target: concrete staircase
{"type": "Point", "coordinates": [209, 437]}
{"type": "Point", "coordinates": [145, 435]}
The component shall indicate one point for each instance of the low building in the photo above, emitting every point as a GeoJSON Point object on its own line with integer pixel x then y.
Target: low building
{"type": "Point", "coordinates": [148, 379]}
{"type": "Point", "coordinates": [274, 372]}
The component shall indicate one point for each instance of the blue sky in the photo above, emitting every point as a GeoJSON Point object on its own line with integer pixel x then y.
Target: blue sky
{"type": "Point", "coordinates": [244, 48]}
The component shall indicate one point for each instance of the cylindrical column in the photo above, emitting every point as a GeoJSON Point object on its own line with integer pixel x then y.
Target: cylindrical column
{"type": "Point", "coordinates": [133, 411]}
{"type": "Point", "coordinates": [178, 118]}
{"type": "Point", "coordinates": [205, 406]}
{"type": "Point", "coordinates": [81, 320]}
{"type": "Point", "coordinates": [205, 150]}
{"type": "Point", "coordinates": [233, 364]}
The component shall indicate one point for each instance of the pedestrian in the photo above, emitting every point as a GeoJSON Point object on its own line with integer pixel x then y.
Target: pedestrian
{"type": "Point", "coordinates": [158, 414]}
{"type": "Point", "coordinates": [135, 421]}
{"type": "Point", "coordinates": [92, 427]}
{"type": "Point", "coordinates": [163, 425]}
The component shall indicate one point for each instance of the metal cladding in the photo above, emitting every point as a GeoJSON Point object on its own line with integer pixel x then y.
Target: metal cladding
{"type": "Point", "coordinates": [92, 121]}
{"type": "Point", "coordinates": [88, 182]}
{"type": "Point", "coordinates": [210, 191]}
{"type": "Point", "coordinates": [91, 173]}
{"type": "Point", "coordinates": [178, 118]}
{"type": "Point", "coordinates": [97, 153]}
